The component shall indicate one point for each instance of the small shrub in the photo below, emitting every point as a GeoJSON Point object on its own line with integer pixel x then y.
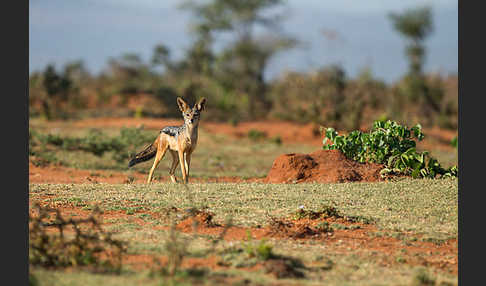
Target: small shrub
{"type": "Point", "coordinates": [359, 218]}
{"type": "Point", "coordinates": [256, 135]}
{"type": "Point", "coordinates": [139, 112]}
{"type": "Point", "coordinates": [324, 212]}
{"type": "Point", "coordinates": [339, 226]}
{"type": "Point", "coordinates": [33, 281]}
{"type": "Point", "coordinates": [277, 140]}
{"type": "Point", "coordinates": [454, 142]}
{"type": "Point", "coordinates": [324, 227]}
{"type": "Point", "coordinates": [422, 278]}
{"type": "Point", "coordinates": [176, 249]}
{"type": "Point", "coordinates": [400, 259]}
{"type": "Point", "coordinates": [261, 250]}
{"type": "Point", "coordinates": [44, 159]}
{"type": "Point", "coordinates": [233, 121]}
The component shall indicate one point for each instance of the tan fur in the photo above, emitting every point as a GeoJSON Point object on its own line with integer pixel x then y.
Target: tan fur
{"type": "Point", "coordinates": [181, 146]}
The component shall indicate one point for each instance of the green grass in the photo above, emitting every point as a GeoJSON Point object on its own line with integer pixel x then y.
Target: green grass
{"type": "Point", "coordinates": [422, 206]}
{"type": "Point", "coordinates": [407, 209]}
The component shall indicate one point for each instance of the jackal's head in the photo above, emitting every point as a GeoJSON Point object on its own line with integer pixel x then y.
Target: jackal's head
{"type": "Point", "coordinates": [191, 115]}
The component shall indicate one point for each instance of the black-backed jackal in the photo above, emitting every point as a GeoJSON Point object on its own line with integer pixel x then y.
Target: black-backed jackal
{"type": "Point", "coordinates": [181, 141]}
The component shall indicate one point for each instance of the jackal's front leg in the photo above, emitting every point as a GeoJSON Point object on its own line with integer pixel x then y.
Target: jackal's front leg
{"type": "Point", "coordinates": [182, 161]}
{"type": "Point", "coordinates": [188, 164]}
{"type": "Point", "coordinates": [175, 162]}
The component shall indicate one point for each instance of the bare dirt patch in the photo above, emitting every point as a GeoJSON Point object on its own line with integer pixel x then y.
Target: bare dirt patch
{"type": "Point", "coordinates": [351, 237]}
{"type": "Point", "coordinates": [323, 166]}
{"type": "Point", "coordinates": [57, 174]}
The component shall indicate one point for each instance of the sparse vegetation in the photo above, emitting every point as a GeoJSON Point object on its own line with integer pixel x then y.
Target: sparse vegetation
{"type": "Point", "coordinates": [261, 250]}
{"type": "Point", "coordinates": [95, 142]}
{"type": "Point", "coordinates": [64, 248]}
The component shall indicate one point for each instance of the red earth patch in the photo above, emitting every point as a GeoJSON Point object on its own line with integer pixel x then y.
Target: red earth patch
{"type": "Point", "coordinates": [322, 166]}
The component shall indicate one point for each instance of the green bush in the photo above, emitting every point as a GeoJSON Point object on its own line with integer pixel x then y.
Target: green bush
{"type": "Point", "coordinates": [391, 144]}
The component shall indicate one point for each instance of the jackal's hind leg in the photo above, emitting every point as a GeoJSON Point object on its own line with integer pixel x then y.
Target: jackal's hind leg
{"type": "Point", "coordinates": [161, 149]}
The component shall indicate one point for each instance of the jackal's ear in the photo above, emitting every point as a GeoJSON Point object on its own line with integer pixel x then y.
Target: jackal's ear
{"type": "Point", "coordinates": [201, 104]}
{"type": "Point", "coordinates": [182, 104]}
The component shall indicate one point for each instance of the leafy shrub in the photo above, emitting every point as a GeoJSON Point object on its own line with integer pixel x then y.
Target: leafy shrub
{"type": "Point", "coordinates": [391, 144]}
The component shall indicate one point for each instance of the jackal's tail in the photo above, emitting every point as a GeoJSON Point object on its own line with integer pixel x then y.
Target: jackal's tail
{"type": "Point", "coordinates": [147, 154]}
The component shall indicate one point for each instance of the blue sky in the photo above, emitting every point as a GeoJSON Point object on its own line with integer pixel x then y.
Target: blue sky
{"type": "Point", "coordinates": [93, 31]}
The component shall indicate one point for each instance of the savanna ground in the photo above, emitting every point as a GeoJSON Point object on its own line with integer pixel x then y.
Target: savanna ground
{"type": "Point", "coordinates": [230, 228]}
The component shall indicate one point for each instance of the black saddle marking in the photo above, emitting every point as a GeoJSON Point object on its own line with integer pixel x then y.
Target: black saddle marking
{"type": "Point", "coordinates": [171, 130]}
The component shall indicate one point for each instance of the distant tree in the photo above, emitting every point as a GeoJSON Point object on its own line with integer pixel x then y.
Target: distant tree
{"type": "Point", "coordinates": [241, 64]}
{"type": "Point", "coordinates": [57, 87]}
{"type": "Point", "coordinates": [199, 56]}
{"type": "Point", "coordinates": [336, 78]}
{"type": "Point", "coordinates": [416, 25]}
{"type": "Point", "coordinates": [81, 81]}
{"type": "Point", "coordinates": [129, 74]}
{"type": "Point", "coordinates": [128, 65]}
{"type": "Point", "coordinates": [76, 71]}
{"type": "Point", "coordinates": [161, 57]}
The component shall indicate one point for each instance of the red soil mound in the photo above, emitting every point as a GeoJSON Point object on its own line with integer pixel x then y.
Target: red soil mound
{"type": "Point", "coordinates": [323, 166]}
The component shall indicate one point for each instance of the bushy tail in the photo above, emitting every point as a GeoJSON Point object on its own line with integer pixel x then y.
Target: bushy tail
{"type": "Point", "coordinates": [147, 154]}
